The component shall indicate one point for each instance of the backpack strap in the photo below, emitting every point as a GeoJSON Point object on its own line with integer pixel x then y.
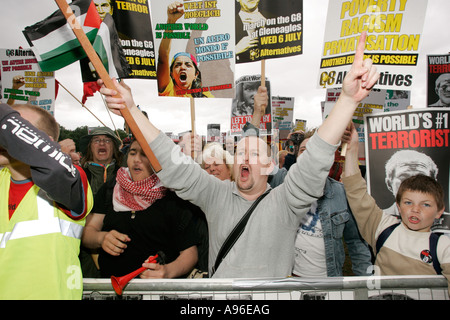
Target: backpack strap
{"type": "Point", "coordinates": [236, 233]}
{"type": "Point", "coordinates": [384, 235]}
{"type": "Point", "coordinates": [434, 237]}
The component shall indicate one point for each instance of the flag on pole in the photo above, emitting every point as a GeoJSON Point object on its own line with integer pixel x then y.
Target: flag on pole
{"type": "Point", "coordinates": [108, 47]}
{"type": "Point", "coordinates": [56, 46]}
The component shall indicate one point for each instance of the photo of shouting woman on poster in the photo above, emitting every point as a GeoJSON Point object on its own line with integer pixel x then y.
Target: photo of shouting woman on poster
{"type": "Point", "coordinates": [181, 77]}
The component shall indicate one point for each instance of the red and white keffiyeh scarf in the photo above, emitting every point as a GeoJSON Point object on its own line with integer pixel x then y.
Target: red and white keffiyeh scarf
{"type": "Point", "coordinates": [132, 195]}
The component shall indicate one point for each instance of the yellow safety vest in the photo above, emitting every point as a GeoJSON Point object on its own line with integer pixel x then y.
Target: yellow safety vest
{"type": "Point", "coordinates": [39, 247]}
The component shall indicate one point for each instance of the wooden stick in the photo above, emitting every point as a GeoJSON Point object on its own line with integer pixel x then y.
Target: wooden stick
{"type": "Point", "coordinates": [59, 83]}
{"type": "Point", "coordinates": [193, 155]}
{"type": "Point", "coordinates": [103, 74]}
{"type": "Point", "coordinates": [109, 114]}
{"type": "Point", "coordinates": [192, 115]}
{"type": "Point", "coordinates": [263, 72]}
{"type": "Point", "coordinates": [344, 149]}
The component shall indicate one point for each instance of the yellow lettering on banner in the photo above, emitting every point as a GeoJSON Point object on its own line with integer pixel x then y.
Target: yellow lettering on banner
{"type": "Point", "coordinates": [340, 46]}
{"type": "Point", "coordinates": [296, 36]}
{"type": "Point", "coordinates": [35, 85]}
{"type": "Point", "coordinates": [280, 51]}
{"type": "Point", "coordinates": [193, 5]}
{"type": "Point", "coordinates": [268, 40]}
{"type": "Point", "coordinates": [355, 7]}
{"type": "Point", "coordinates": [122, 5]}
{"type": "Point", "coordinates": [373, 23]}
{"type": "Point", "coordinates": [397, 59]}
{"type": "Point", "coordinates": [402, 42]}
{"type": "Point", "coordinates": [333, 62]}
{"type": "Point", "coordinates": [202, 14]}
{"type": "Point", "coordinates": [395, 42]}
{"type": "Point", "coordinates": [210, 4]}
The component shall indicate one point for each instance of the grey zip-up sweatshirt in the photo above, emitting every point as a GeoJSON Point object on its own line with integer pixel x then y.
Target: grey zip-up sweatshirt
{"type": "Point", "coordinates": [266, 247]}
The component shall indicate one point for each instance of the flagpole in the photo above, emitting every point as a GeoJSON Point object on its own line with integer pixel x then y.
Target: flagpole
{"type": "Point", "coordinates": [263, 72]}
{"type": "Point", "coordinates": [193, 155]}
{"type": "Point", "coordinates": [103, 74]}
{"type": "Point", "coordinates": [82, 104]}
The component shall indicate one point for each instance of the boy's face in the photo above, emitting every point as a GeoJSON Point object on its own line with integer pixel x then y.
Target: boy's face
{"type": "Point", "coordinates": [138, 163]}
{"type": "Point", "coordinates": [418, 210]}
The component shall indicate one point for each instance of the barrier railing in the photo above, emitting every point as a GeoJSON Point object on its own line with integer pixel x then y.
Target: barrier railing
{"type": "Point", "coordinates": [292, 288]}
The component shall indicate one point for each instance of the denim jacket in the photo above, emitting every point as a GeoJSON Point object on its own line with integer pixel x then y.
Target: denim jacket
{"type": "Point", "coordinates": [337, 223]}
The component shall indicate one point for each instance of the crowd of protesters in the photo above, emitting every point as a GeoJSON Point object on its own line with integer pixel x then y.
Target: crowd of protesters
{"type": "Point", "coordinates": [109, 214]}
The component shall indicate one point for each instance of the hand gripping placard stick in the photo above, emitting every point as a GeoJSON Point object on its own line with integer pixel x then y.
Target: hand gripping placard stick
{"type": "Point", "coordinates": [103, 74]}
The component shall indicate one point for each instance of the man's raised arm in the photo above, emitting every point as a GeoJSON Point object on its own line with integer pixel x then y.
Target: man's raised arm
{"type": "Point", "coordinates": [125, 100]}
{"type": "Point", "coordinates": [356, 86]}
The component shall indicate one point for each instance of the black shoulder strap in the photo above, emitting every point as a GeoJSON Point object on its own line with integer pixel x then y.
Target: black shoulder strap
{"type": "Point", "coordinates": [384, 235]}
{"type": "Point", "coordinates": [434, 237]}
{"type": "Point", "coordinates": [236, 233]}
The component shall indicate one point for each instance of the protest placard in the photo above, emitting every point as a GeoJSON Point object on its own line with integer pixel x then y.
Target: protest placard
{"type": "Point", "coordinates": [242, 105]}
{"type": "Point", "coordinates": [199, 34]}
{"type": "Point", "coordinates": [22, 81]}
{"type": "Point", "coordinates": [268, 29]}
{"type": "Point", "coordinates": [283, 115]}
{"type": "Point", "coordinates": [438, 94]}
{"type": "Point", "coordinates": [393, 29]}
{"type": "Point", "coordinates": [373, 103]}
{"type": "Point", "coordinates": [400, 144]}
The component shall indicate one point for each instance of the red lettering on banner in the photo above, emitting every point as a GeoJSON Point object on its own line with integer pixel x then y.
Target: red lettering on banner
{"type": "Point", "coordinates": [410, 139]}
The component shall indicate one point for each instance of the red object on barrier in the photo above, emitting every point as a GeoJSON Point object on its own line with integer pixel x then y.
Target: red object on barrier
{"type": "Point", "coordinates": [119, 283]}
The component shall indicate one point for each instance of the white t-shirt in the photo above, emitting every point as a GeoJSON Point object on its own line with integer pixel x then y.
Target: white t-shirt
{"type": "Point", "coordinates": [310, 258]}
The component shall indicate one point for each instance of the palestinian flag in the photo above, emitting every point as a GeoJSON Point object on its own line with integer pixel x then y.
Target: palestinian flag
{"type": "Point", "coordinates": [107, 45]}
{"type": "Point", "coordinates": [56, 46]}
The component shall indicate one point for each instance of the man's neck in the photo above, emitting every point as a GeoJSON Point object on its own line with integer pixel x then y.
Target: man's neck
{"type": "Point", "coordinates": [19, 171]}
{"type": "Point", "coordinates": [251, 195]}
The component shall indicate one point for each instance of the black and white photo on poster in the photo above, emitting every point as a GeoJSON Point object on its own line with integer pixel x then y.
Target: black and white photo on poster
{"type": "Point", "coordinates": [213, 132]}
{"type": "Point", "coordinates": [242, 105]}
{"type": "Point", "coordinates": [400, 144]}
{"type": "Point", "coordinates": [268, 29]}
{"type": "Point", "coordinates": [438, 80]}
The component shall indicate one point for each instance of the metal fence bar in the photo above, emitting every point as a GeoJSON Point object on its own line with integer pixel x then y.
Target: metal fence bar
{"type": "Point", "coordinates": [292, 288]}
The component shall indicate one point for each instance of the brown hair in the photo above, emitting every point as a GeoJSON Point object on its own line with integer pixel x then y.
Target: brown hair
{"type": "Point", "coordinates": [424, 184]}
{"type": "Point", "coordinates": [45, 121]}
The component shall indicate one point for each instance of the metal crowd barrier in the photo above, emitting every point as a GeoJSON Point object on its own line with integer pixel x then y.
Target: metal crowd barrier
{"type": "Point", "coordinates": [292, 288]}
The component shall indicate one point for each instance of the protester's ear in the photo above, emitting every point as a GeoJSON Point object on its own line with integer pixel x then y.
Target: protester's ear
{"type": "Point", "coordinates": [439, 213]}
